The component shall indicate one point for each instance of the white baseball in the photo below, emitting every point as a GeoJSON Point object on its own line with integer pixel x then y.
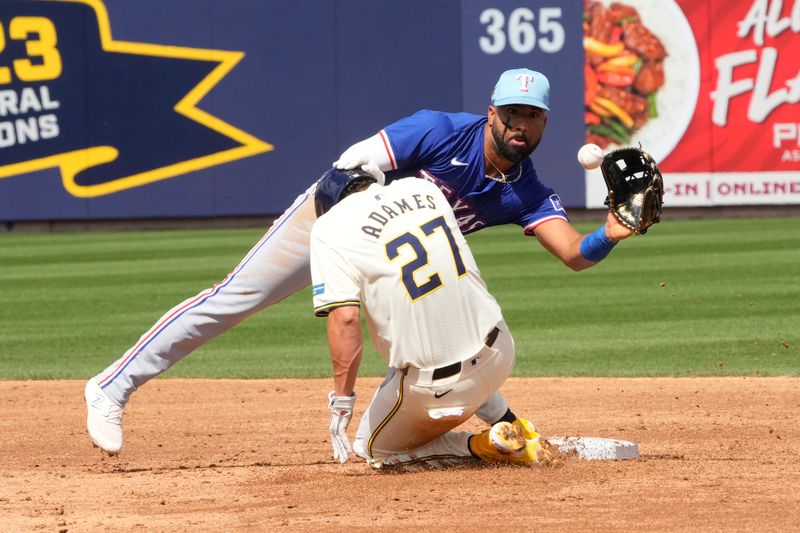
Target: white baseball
{"type": "Point", "coordinates": [590, 156]}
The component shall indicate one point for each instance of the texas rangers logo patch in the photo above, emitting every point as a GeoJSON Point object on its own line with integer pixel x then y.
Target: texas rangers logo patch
{"type": "Point", "coordinates": [555, 201]}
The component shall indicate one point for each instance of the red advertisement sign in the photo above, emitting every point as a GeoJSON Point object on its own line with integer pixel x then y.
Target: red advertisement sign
{"type": "Point", "coordinates": [727, 129]}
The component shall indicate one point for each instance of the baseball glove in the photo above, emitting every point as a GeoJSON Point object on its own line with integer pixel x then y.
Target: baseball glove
{"type": "Point", "coordinates": [635, 188]}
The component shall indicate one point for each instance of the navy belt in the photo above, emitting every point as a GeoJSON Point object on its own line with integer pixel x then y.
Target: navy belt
{"type": "Point", "coordinates": [455, 368]}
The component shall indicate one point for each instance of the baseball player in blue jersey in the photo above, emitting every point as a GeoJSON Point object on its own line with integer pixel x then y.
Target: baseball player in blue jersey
{"type": "Point", "coordinates": [481, 165]}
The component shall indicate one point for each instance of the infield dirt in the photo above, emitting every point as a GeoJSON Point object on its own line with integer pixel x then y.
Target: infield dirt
{"type": "Point", "coordinates": [717, 454]}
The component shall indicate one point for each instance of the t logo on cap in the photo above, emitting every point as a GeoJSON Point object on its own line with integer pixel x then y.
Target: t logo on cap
{"type": "Point", "coordinates": [525, 79]}
{"type": "Point", "coordinates": [522, 86]}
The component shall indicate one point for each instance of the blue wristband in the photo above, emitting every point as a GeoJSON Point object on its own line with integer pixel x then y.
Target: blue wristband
{"type": "Point", "coordinates": [596, 245]}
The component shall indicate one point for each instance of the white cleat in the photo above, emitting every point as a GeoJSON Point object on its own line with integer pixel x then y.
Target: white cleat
{"type": "Point", "coordinates": [103, 419]}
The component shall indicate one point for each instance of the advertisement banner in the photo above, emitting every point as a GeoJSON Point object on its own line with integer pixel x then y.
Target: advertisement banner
{"type": "Point", "coordinates": [176, 108]}
{"type": "Point", "coordinates": [724, 124]}
{"type": "Point", "coordinates": [112, 109]}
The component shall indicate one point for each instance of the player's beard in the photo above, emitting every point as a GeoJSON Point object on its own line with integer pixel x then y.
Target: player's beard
{"type": "Point", "coordinates": [515, 154]}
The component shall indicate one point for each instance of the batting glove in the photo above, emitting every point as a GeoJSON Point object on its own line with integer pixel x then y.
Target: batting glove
{"type": "Point", "coordinates": [341, 408]}
{"type": "Point", "coordinates": [352, 160]}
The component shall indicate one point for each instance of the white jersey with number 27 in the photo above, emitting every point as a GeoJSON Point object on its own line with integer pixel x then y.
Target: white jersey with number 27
{"type": "Point", "coordinates": [397, 252]}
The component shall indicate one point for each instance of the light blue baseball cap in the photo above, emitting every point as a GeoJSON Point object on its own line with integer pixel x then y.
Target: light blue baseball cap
{"type": "Point", "coordinates": [522, 86]}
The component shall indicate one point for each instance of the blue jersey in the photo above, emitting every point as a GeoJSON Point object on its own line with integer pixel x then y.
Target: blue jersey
{"type": "Point", "coordinates": [447, 149]}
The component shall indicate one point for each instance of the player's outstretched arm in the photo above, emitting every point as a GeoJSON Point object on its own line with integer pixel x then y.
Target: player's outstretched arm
{"type": "Point", "coordinates": [346, 344]}
{"type": "Point", "coordinates": [577, 251]}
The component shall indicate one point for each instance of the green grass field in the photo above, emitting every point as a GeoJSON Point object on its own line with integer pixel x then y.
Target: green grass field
{"type": "Point", "coordinates": [692, 297]}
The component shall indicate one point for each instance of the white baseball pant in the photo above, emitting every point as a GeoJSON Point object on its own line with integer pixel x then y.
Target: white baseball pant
{"type": "Point", "coordinates": [275, 268]}
{"type": "Point", "coordinates": [414, 410]}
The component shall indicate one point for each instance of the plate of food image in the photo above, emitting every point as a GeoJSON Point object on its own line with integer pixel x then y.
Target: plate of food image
{"type": "Point", "coordinates": [642, 74]}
